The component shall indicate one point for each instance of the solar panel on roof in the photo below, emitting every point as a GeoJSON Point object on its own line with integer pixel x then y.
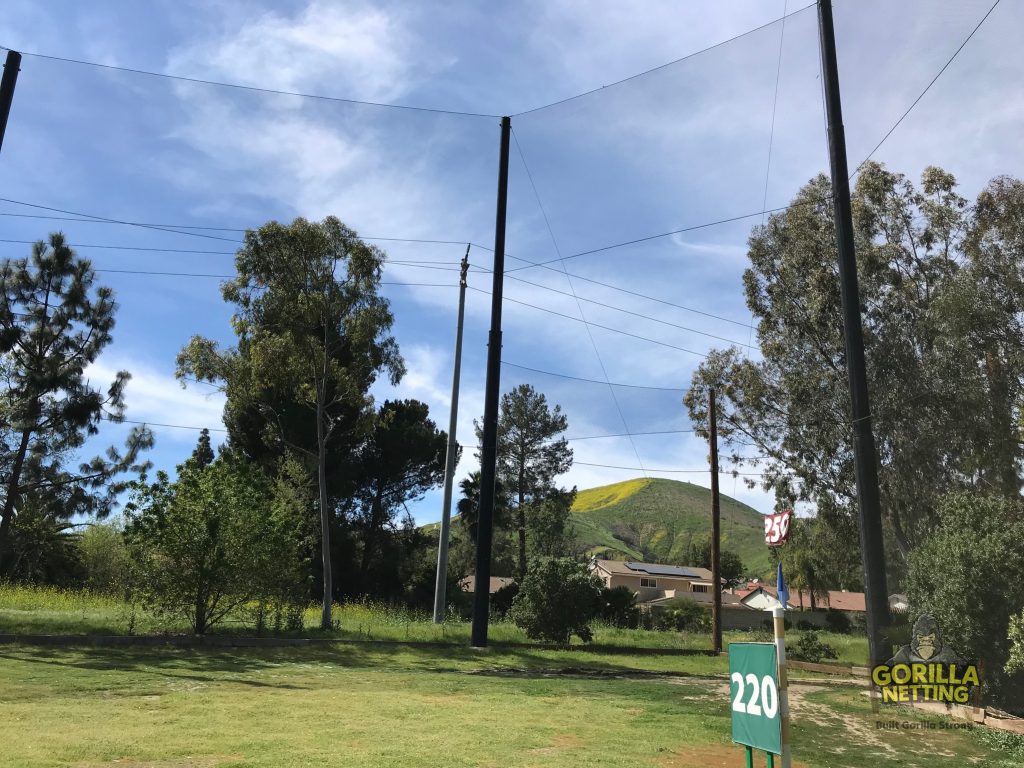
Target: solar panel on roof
{"type": "Point", "coordinates": [664, 570]}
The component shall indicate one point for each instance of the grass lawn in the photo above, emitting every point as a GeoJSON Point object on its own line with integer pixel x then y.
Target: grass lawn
{"type": "Point", "coordinates": [49, 611]}
{"type": "Point", "coordinates": [365, 704]}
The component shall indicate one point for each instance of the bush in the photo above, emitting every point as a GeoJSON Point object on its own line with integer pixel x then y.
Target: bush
{"type": "Point", "coordinates": [964, 575]}
{"type": "Point", "coordinates": [762, 636]}
{"type": "Point", "coordinates": [687, 616]}
{"type": "Point", "coordinates": [501, 601]}
{"type": "Point", "coordinates": [900, 630]}
{"type": "Point", "coordinates": [459, 603]}
{"type": "Point", "coordinates": [1016, 661]}
{"type": "Point", "coordinates": [837, 621]}
{"type": "Point", "coordinates": [215, 542]}
{"type": "Point", "coordinates": [43, 547]}
{"type": "Point", "coordinates": [618, 608]}
{"type": "Point", "coordinates": [557, 599]}
{"type": "Point", "coordinates": [105, 558]}
{"type": "Point", "coordinates": [811, 648]}
{"type": "Point", "coordinates": [804, 624]}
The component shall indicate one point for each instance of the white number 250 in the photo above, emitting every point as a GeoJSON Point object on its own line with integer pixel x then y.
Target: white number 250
{"type": "Point", "coordinates": [764, 696]}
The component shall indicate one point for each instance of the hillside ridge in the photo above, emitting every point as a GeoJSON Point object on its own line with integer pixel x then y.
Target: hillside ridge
{"type": "Point", "coordinates": [658, 519]}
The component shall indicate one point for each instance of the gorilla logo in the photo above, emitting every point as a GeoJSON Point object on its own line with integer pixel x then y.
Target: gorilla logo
{"type": "Point", "coordinates": [926, 646]}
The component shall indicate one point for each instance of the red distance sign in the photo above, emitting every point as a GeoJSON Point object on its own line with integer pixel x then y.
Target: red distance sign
{"type": "Point", "coordinates": [776, 528]}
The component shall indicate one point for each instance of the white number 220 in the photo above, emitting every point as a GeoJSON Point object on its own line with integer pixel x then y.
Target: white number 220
{"type": "Point", "coordinates": [764, 696]}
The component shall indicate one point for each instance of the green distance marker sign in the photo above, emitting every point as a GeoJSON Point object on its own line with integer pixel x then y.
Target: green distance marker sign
{"type": "Point", "coordinates": [754, 696]}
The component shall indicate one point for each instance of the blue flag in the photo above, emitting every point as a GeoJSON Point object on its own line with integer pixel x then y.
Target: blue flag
{"type": "Point", "coordinates": [780, 587]}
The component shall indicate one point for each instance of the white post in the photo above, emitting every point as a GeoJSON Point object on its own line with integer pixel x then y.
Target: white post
{"type": "Point", "coordinates": [778, 615]}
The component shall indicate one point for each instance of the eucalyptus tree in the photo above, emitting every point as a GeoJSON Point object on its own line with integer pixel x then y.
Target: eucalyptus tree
{"type": "Point", "coordinates": [313, 335]}
{"type": "Point", "coordinates": [942, 301]}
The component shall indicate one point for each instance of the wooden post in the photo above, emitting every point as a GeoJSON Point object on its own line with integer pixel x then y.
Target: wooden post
{"type": "Point", "coordinates": [716, 533]}
{"type": "Point", "coordinates": [779, 620]}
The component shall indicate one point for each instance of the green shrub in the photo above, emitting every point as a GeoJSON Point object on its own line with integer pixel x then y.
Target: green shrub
{"type": "Point", "coordinates": [557, 599]}
{"type": "Point", "coordinates": [804, 624]}
{"type": "Point", "coordinates": [964, 574]}
{"type": "Point", "coordinates": [618, 608]}
{"type": "Point", "coordinates": [1016, 661]}
{"type": "Point", "coordinates": [501, 601]}
{"type": "Point", "coordinates": [837, 621]}
{"type": "Point", "coordinates": [1011, 745]}
{"type": "Point", "coordinates": [105, 558]}
{"type": "Point", "coordinates": [458, 602]}
{"type": "Point", "coordinates": [214, 543]}
{"type": "Point", "coordinates": [811, 648]}
{"type": "Point", "coordinates": [900, 631]}
{"type": "Point", "coordinates": [686, 616]}
{"type": "Point", "coordinates": [762, 635]}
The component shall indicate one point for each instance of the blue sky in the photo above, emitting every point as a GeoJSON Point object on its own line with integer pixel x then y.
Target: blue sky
{"type": "Point", "coordinates": [681, 146]}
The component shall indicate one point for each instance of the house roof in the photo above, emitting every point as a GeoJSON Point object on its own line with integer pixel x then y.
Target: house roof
{"type": "Point", "coordinates": [704, 598]}
{"type": "Point", "coordinates": [468, 583]}
{"type": "Point", "coordinates": [688, 572]}
{"type": "Point", "coordinates": [845, 601]}
{"type": "Point", "coordinates": [837, 599]}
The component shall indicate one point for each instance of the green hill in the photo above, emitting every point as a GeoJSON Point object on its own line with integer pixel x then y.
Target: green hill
{"type": "Point", "coordinates": [655, 520]}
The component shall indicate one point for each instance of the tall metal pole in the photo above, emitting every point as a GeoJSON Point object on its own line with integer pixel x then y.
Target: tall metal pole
{"type": "Point", "coordinates": [441, 584]}
{"type": "Point", "coordinates": [10, 79]}
{"type": "Point", "coordinates": [865, 458]}
{"type": "Point", "coordinates": [716, 532]}
{"type": "Point", "coordinates": [489, 449]}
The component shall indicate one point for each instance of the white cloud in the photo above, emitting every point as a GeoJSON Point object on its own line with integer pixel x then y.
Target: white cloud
{"type": "Point", "coordinates": [156, 397]}
{"type": "Point", "coordinates": [683, 146]}
{"type": "Point", "coordinates": [351, 49]}
{"type": "Point", "coordinates": [377, 170]}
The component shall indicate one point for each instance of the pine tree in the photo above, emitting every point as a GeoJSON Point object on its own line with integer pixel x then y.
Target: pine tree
{"type": "Point", "coordinates": [203, 454]}
{"type": "Point", "coordinates": [530, 453]}
{"type": "Point", "coordinates": [53, 324]}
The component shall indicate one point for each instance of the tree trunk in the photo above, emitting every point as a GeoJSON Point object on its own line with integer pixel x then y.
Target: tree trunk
{"type": "Point", "coordinates": [371, 536]}
{"type": "Point", "coordinates": [7, 517]}
{"type": "Point", "coordinates": [521, 524]}
{"type": "Point", "coordinates": [1004, 437]}
{"type": "Point", "coordinates": [325, 518]}
{"type": "Point", "coordinates": [200, 613]}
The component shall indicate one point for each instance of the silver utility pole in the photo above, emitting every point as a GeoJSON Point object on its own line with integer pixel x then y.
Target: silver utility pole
{"type": "Point", "coordinates": [441, 583]}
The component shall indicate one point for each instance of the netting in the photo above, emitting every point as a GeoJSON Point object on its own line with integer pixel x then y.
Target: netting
{"type": "Point", "coordinates": [637, 199]}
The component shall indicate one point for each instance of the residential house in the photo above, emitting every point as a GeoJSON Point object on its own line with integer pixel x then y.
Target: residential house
{"type": "Point", "coordinates": [468, 583]}
{"type": "Point", "coordinates": [651, 581]}
{"type": "Point", "coordinates": [763, 597]}
{"type": "Point", "coordinates": [658, 587]}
